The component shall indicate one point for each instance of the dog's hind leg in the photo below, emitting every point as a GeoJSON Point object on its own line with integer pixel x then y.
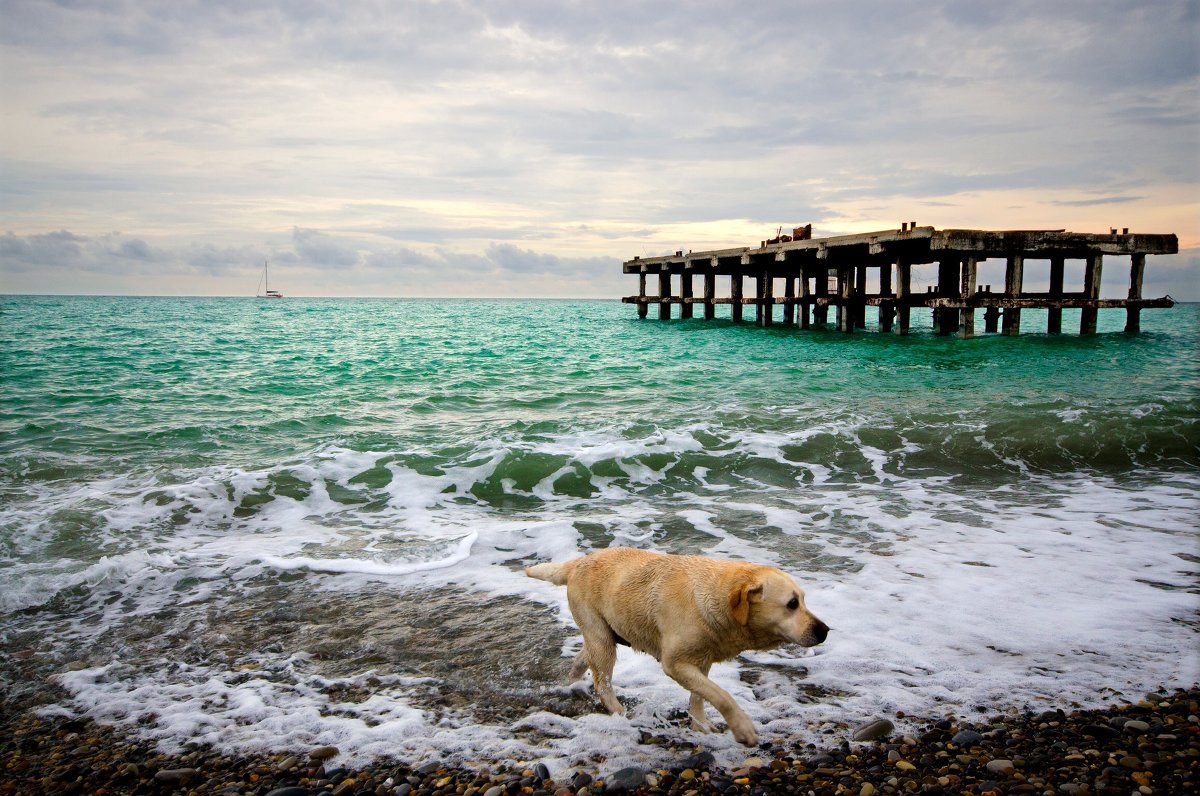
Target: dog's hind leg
{"type": "Point", "coordinates": [600, 652]}
{"type": "Point", "coordinates": [578, 667]}
{"type": "Point", "coordinates": [696, 709]}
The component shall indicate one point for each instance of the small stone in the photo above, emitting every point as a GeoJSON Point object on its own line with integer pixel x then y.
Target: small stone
{"type": "Point", "coordinates": [967, 738]}
{"type": "Point", "coordinates": [627, 779]}
{"type": "Point", "coordinates": [581, 780]}
{"type": "Point", "coordinates": [867, 790]}
{"type": "Point", "coordinates": [872, 730]}
{"type": "Point", "coordinates": [175, 774]}
{"type": "Point", "coordinates": [346, 786]}
{"type": "Point", "coordinates": [289, 763]}
{"type": "Point", "coordinates": [322, 753]}
{"type": "Point", "coordinates": [697, 760]}
{"type": "Point", "coordinates": [1001, 767]}
{"type": "Point", "coordinates": [495, 790]}
{"type": "Point", "coordinates": [1136, 725]}
{"type": "Point", "coordinates": [293, 790]}
{"type": "Point", "coordinates": [1131, 762]}
{"type": "Point", "coordinates": [904, 765]}
{"type": "Point", "coordinates": [541, 772]}
{"type": "Point", "coordinates": [429, 768]}
{"type": "Point", "coordinates": [687, 775]}
{"type": "Point", "coordinates": [1099, 731]}
{"type": "Point", "coordinates": [752, 762]}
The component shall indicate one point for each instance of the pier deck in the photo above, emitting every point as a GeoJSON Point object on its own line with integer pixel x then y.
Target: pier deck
{"type": "Point", "coordinates": [834, 272]}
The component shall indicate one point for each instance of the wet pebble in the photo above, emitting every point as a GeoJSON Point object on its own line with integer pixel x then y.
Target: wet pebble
{"type": "Point", "coordinates": [627, 779]}
{"type": "Point", "coordinates": [322, 753]}
{"type": "Point", "coordinates": [967, 738]}
{"type": "Point", "coordinates": [873, 730]}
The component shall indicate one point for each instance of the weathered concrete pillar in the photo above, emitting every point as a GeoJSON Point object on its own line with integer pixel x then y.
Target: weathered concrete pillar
{"type": "Point", "coordinates": [946, 320]}
{"type": "Point", "coordinates": [903, 292]}
{"type": "Point", "coordinates": [1133, 315]}
{"type": "Point", "coordinates": [766, 299]}
{"type": "Point", "coordinates": [789, 307]}
{"type": "Point", "coordinates": [886, 311]}
{"type": "Point", "coordinates": [821, 285]}
{"type": "Point", "coordinates": [1091, 290]}
{"type": "Point", "coordinates": [991, 319]}
{"type": "Point", "coordinates": [710, 294]}
{"type": "Point", "coordinates": [1014, 274]}
{"type": "Point", "coordinates": [1054, 314]}
{"type": "Point", "coordinates": [966, 316]}
{"type": "Point", "coordinates": [735, 297]}
{"type": "Point", "coordinates": [664, 295]}
{"type": "Point", "coordinates": [685, 292]}
{"type": "Point", "coordinates": [859, 297]}
{"type": "Point", "coordinates": [642, 305]}
{"type": "Point", "coordinates": [845, 311]}
{"type": "Point", "coordinates": [803, 308]}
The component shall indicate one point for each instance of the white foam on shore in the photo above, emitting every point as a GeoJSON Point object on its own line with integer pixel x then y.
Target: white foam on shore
{"type": "Point", "coordinates": [942, 597]}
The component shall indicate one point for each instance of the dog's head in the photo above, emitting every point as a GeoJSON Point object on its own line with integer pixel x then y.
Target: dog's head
{"type": "Point", "coordinates": [769, 603]}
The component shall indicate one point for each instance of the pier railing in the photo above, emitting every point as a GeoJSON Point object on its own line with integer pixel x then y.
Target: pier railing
{"type": "Point", "coordinates": [852, 272]}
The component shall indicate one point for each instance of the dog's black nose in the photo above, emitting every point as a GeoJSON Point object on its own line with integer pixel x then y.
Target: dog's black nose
{"type": "Point", "coordinates": [820, 631]}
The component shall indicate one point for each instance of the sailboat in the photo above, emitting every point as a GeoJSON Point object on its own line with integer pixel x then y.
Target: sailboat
{"type": "Point", "coordinates": [266, 282]}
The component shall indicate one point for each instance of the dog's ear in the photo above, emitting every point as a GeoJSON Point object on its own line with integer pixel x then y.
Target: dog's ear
{"type": "Point", "coordinates": [740, 598]}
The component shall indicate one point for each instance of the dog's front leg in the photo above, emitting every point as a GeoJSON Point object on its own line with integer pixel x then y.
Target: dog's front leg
{"type": "Point", "coordinates": [694, 679]}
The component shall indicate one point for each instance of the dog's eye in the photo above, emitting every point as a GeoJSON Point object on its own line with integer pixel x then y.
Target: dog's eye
{"type": "Point", "coordinates": [793, 603]}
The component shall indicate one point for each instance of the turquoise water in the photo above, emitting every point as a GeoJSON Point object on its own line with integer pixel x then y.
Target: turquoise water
{"type": "Point", "coordinates": [175, 460]}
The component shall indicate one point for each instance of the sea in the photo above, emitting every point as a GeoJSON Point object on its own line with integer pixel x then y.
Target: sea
{"type": "Point", "coordinates": [266, 526]}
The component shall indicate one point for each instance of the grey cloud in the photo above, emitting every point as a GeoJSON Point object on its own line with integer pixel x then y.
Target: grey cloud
{"type": "Point", "coordinates": [64, 251]}
{"type": "Point", "coordinates": [1102, 200]}
{"type": "Point", "coordinates": [318, 248]}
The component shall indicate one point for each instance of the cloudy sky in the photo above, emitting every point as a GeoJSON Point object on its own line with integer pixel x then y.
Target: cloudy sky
{"type": "Point", "coordinates": [527, 147]}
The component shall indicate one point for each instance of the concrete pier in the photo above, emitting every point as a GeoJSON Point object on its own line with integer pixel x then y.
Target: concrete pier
{"type": "Point", "coordinates": [839, 272]}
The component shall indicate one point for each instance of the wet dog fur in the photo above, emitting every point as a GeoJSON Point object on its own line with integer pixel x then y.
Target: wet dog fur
{"type": "Point", "coordinates": [689, 612]}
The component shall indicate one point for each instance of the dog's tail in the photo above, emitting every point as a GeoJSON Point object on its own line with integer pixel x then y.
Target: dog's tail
{"type": "Point", "coordinates": [557, 573]}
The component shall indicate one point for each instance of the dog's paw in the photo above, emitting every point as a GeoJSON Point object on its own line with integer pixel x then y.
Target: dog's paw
{"type": "Point", "coordinates": [746, 736]}
{"type": "Point", "coordinates": [702, 725]}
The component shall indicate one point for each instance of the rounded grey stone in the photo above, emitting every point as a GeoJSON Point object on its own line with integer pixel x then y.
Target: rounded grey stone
{"type": "Point", "coordinates": [872, 730]}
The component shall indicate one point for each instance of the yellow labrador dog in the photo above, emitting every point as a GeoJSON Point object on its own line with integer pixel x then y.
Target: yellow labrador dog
{"type": "Point", "coordinates": [689, 612]}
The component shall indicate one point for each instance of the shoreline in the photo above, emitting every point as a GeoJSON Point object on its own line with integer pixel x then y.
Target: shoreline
{"type": "Point", "coordinates": [1148, 748]}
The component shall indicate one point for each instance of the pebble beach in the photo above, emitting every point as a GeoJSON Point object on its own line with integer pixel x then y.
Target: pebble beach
{"type": "Point", "coordinates": [1147, 748]}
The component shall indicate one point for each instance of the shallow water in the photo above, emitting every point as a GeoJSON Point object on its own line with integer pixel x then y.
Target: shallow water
{"type": "Point", "coordinates": [291, 523]}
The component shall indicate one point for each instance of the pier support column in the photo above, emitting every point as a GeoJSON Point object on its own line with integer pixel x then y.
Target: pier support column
{"type": "Point", "coordinates": [642, 305]}
{"type": "Point", "coordinates": [766, 299]}
{"type": "Point", "coordinates": [685, 293]}
{"type": "Point", "coordinates": [860, 294]}
{"type": "Point", "coordinates": [789, 306]}
{"type": "Point", "coordinates": [991, 319]}
{"type": "Point", "coordinates": [966, 315]}
{"type": "Point", "coordinates": [1014, 274]}
{"type": "Point", "coordinates": [1091, 289]}
{"type": "Point", "coordinates": [903, 292]}
{"type": "Point", "coordinates": [1133, 315]}
{"type": "Point", "coordinates": [735, 297]}
{"type": "Point", "coordinates": [946, 320]}
{"type": "Point", "coordinates": [664, 296]}
{"type": "Point", "coordinates": [886, 311]}
{"type": "Point", "coordinates": [803, 308]}
{"type": "Point", "coordinates": [821, 282]}
{"type": "Point", "coordinates": [845, 310]}
{"type": "Point", "coordinates": [710, 293]}
{"type": "Point", "coordinates": [1054, 313]}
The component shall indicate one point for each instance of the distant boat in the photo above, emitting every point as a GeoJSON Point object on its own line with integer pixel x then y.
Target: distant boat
{"type": "Point", "coordinates": [265, 282]}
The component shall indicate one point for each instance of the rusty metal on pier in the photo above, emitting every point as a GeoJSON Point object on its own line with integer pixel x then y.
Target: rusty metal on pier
{"type": "Point", "coordinates": [852, 272]}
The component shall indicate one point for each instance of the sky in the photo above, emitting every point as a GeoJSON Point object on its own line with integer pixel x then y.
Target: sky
{"type": "Point", "coordinates": [528, 147]}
